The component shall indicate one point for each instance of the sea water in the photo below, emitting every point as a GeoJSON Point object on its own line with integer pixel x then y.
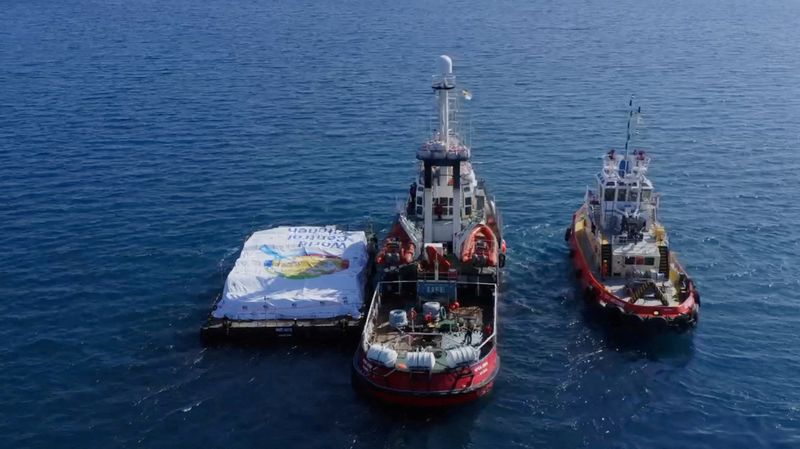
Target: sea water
{"type": "Point", "coordinates": [141, 141]}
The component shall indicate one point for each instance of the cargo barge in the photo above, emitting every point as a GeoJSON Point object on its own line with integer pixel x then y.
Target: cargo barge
{"type": "Point", "coordinates": [295, 282]}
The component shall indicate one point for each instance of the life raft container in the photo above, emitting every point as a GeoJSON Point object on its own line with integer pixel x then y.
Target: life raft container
{"type": "Point", "coordinates": [397, 248]}
{"type": "Point", "coordinates": [480, 247]}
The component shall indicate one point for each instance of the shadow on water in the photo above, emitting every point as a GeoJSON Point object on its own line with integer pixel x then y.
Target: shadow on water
{"type": "Point", "coordinates": [440, 424]}
{"type": "Point", "coordinates": [638, 341]}
{"type": "Point", "coordinates": [641, 342]}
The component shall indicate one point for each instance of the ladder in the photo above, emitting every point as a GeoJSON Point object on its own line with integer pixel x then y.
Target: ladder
{"type": "Point", "coordinates": [663, 263]}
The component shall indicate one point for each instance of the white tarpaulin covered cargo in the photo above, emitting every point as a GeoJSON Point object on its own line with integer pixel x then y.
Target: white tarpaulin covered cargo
{"type": "Point", "coordinates": [297, 272]}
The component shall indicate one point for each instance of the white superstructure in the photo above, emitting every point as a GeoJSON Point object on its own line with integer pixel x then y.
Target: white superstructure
{"type": "Point", "coordinates": [623, 215]}
{"type": "Point", "coordinates": [447, 199]}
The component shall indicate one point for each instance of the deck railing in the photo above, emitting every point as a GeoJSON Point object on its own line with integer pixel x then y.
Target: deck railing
{"type": "Point", "coordinates": [366, 337]}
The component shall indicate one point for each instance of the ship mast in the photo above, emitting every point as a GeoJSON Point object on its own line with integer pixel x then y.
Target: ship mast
{"type": "Point", "coordinates": [627, 167]}
{"type": "Point", "coordinates": [628, 135]}
{"type": "Point", "coordinates": [448, 84]}
{"type": "Point", "coordinates": [443, 89]}
{"type": "Point", "coordinates": [447, 151]}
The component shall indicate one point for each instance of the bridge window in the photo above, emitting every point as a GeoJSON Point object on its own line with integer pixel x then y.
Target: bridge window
{"type": "Point", "coordinates": [622, 195]}
{"type": "Point", "coordinates": [609, 195]}
{"type": "Point", "coordinates": [633, 197]}
{"type": "Point", "coordinates": [639, 260]}
{"type": "Point", "coordinates": [646, 195]}
{"type": "Point", "coordinates": [446, 203]}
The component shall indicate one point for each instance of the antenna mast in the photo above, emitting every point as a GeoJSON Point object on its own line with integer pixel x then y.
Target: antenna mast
{"type": "Point", "coordinates": [447, 84]}
{"type": "Point", "coordinates": [628, 136]}
{"type": "Point", "coordinates": [630, 118]}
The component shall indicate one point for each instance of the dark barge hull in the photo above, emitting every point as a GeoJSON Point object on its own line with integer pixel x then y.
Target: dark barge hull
{"type": "Point", "coordinates": [218, 330]}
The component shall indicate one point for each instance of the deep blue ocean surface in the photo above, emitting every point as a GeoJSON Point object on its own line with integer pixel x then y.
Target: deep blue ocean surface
{"type": "Point", "coordinates": [142, 140]}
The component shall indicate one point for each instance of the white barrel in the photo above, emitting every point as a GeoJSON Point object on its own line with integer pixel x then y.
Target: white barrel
{"type": "Point", "coordinates": [462, 355]}
{"type": "Point", "coordinates": [398, 318]}
{"type": "Point", "coordinates": [432, 308]}
{"type": "Point", "coordinates": [422, 360]}
{"type": "Point", "coordinates": [383, 355]}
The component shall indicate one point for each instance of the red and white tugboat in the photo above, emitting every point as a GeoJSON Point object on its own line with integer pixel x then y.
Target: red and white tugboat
{"type": "Point", "coordinates": [430, 333]}
{"type": "Point", "coordinates": [620, 249]}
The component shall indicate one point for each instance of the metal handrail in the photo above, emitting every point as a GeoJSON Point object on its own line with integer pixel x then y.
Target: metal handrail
{"type": "Point", "coordinates": [375, 306]}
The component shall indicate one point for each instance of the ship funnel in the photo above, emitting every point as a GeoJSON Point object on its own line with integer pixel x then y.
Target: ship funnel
{"type": "Point", "coordinates": [447, 64]}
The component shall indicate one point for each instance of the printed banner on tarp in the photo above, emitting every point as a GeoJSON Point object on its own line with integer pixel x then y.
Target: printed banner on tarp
{"type": "Point", "coordinates": [297, 272]}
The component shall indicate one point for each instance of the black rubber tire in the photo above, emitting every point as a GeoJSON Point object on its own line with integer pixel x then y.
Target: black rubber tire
{"type": "Point", "coordinates": [567, 234]}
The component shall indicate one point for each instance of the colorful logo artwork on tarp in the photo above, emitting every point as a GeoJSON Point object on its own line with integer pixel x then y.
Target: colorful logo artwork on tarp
{"type": "Point", "coordinates": [301, 265]}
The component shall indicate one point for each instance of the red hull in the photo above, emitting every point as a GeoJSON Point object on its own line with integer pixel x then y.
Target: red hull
{"type": "Point", "coordinates": [681, 316]}
{"type": "Point", "coordinates": [424, 389]}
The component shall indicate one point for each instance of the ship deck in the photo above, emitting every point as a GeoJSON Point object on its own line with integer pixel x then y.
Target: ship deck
{"type": "Point", "coordinates": [645, 292]}
{"type": "Point", "coordinates": [641, 292]}
{"type": "Point", "coordinates": [465, 326]}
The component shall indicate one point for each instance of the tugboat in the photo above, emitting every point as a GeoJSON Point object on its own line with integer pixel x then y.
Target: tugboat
{"type": "Point", "coordinates": [430, 336]}
{"type": "Point", "coordinates": [620, 250]}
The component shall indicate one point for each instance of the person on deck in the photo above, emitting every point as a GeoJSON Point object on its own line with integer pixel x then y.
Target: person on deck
{"type": "Point", "coordinates": [470, 327]}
